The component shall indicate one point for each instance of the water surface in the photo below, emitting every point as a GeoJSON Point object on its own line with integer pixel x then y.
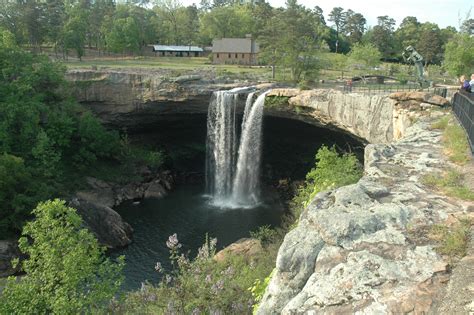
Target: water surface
{"type": "Point", "coordinates": [187, 212]}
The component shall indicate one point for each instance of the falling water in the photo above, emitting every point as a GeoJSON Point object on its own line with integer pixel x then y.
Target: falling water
{"type": "Point", "coordinates": [246, 188]}
{"type": "Point", "coordinates": [232, 177]}
{"type": "Point", "coordinates": [221, 144]}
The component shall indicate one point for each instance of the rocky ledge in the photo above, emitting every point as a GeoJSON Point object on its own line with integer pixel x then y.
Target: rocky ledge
{"type": "Point", "coordinates": [136, 98]}
{"type": "Point", "coordinates": [363, 248]}
{"type": "Point", "coordinates": [373, 119]}
{"type": "Point", "coordinates": [95, 205]}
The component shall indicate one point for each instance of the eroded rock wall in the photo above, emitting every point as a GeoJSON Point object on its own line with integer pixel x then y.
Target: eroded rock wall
{"type": "Point", "coordinates": [363, 248]}
{"type": "Point", "coordinates": [126, 98]}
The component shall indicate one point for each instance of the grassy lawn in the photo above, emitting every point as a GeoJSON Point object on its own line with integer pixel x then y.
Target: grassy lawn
{"type": "Point", "coordinates": [171, 63]}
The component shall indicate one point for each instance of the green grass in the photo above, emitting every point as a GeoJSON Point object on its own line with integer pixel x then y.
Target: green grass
{"type": "Point", "coordinates": [441, 124]}
{"type": "Point", "coordinates": [450, 183]}
{"type": "Point", "coordinates": [456, 144]}
{"type": "Point", "coordinates": [454, 140]}
{"type": "Point", "coordinates": [452, 241]}
{"type": "Point", "coordinates": [182, 64]}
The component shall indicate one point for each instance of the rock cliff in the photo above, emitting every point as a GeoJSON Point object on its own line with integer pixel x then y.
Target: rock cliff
{"type": "Point", "coordinates": [363, 248]}
{"type": "Point", "coordinates": [133, 98]}
{"type": "Point", "coordinates": [375, 119]}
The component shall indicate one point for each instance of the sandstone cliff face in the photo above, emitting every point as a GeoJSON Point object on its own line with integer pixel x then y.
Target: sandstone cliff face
{"type": "Point", "coordinates": [362, 248]}
{"type": "Point", "coordinates": [133, 98]}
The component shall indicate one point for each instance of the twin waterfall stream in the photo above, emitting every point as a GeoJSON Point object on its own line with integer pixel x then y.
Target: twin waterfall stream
{"type": "Point", "coordinates": [232, 164]}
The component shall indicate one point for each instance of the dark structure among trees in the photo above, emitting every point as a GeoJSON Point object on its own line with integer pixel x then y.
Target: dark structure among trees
{"type": "Point", "coordinates": [235, 51]}
{"type": "Point", "coordinates": [177, 51]}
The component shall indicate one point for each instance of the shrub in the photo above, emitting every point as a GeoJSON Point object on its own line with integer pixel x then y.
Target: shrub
{"type": "Point", "coordinates": [66, 271]}
{"type": "Point", "coordinates": [276, 101]}
{"type": "Point", "coordinates": [202, 285]}
{"type": "Point", "coordinates": [331, 171]}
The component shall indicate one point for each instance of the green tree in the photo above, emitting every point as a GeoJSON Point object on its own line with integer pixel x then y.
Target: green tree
{"type": "Point", "coordinates": [226, 21]}
{"type": "Point", "coordinates": [75, 32]}
{"type": "Point", "coordinates": [382, 36]}
{"type": "Point", "coordinates": [459, 55]}
{"type": "Point", "coordinates": [66, 269]}
{"type": "Point", "coordinates": [291, 40]}
{"type": "Point", "coordinates": [467, 27]}
{"type": "Point", "coordinates": [338, 17]}
{"type": "Point", "coordinates": [430, 44]}
{"type": "Point", "coordinates": [365, 54]}
{"type": "Point", "coordinates": [15, 188]}
{"type": "Point", "coordinates": [408, 33]}
{"type": "Point", "coordinates": [354, 27]}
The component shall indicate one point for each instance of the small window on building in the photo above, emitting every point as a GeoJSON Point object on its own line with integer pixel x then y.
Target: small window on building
{"type": "Point", "coordinates": [243, 56]}
{"type": "Point", "coordinates": [236, 56]}
{"type": "Point", "coordinates": [217, 55]}
{"type": "Point", "coordinates": [230, 56]}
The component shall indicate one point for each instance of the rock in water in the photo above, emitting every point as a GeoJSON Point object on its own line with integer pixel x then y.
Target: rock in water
{"type": "Point", "coordinates": [107, 225]}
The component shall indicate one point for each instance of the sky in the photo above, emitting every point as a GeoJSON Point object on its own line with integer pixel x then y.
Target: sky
{"type": "Point", "coordinates": [442, 12]}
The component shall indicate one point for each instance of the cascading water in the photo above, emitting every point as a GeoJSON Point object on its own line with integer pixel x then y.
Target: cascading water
{"type": "Point", "coordinates": [246, 188]}
{"type": "Point", "coordinates": [233, 180]}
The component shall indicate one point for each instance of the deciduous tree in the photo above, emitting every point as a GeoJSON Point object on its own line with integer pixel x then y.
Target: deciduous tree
{"type": "Point", "coordinates": [66, 269]}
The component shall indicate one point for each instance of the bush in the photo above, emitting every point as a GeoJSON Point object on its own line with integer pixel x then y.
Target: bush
{"type": "Point", "coordinates": [331, 171]}
{"type": "Point", "coordinates": [276, 101]}
{"type": "Point", "coordinates": [201, 285]}
{"type": "Point", "coordinates": [66, 271]}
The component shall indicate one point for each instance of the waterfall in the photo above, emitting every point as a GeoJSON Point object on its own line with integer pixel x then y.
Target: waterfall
{"type": "Point", "coordinates": [232, 176]}
{"type": "Point", "coordinates": [246, 188]}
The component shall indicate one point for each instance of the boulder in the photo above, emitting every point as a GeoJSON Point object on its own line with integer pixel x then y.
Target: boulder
{"type": "Point", "coordinates": [155, 190]}
{"type": "Point", "coordinates": [107, 225]}
{"type": "Point", "coordinates": [426, 97]}
{"type": "Point", "coordinates": [247, 247]}
{"type": "Point", "coordinates": [8, 251]}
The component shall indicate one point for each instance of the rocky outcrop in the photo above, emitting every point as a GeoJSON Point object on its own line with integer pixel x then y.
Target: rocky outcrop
{"type": "Point", "coordinates": [106, 224]}
{"type": "Point", "coordinates": [8, 251]}
{"type": "Point", "coordinates": [95, 205]}
{"type": "Point", "coordinates": [376, 119]}
{"type": "Point", "coordinates": [363, 248]}
{"type": "Point", "coordinates": [136, 98]}
{"type": "Point", "coordinates": [246, 247]}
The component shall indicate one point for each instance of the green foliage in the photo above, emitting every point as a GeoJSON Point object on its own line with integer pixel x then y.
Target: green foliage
{"type": "Point", "coordinates": [276, 101]}
{"type": "Point", "coordinates": [202, 285]}
{"type": "Point", "coordinates": [331, 171]}
{"type": "Point", "coordinates": [15, 194]}
{"type": "Point", "coordinates": [66, 271]}
{"type": "Point", "coordinates": [459, 55]}
{"type": "Point", "coordinates": [94, 141]}
{"type": "Point", "coordinates": [42, 134]}
{"type": "Point", "coordinates": [451, 183]}
{"type": "Point", "coordinates": [265, 234]}
{"type": "Point", "coordinates": [365, 54]}
{"type": "Point", "coordinates": [258, 290]}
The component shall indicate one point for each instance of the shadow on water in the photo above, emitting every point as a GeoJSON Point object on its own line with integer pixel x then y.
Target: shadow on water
{"type": "Point", "coordinates": [187, 212]}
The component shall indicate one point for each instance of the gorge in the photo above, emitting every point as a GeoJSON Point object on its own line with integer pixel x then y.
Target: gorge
{"type": "Point", "coordinates": [359, 247]}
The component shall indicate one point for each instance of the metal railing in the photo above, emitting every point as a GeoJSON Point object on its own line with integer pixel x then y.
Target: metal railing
{"type": "Point", "coordinates": [380, 89]}
{"type": "Point", "coordinates": [463, 108]}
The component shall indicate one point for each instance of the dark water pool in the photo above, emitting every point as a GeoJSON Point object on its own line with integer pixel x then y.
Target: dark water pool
{"type": "Point", "coordinates": [185, 211]}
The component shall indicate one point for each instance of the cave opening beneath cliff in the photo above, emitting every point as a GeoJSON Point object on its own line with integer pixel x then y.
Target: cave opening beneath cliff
{"type": "Point", "coordinates": [289, 148]}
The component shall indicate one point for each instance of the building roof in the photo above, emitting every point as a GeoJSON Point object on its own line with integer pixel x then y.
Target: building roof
{"type": "Point", "coordinates": [234, 45]}
{"type": "Point", "coordinates": [176, 48]}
